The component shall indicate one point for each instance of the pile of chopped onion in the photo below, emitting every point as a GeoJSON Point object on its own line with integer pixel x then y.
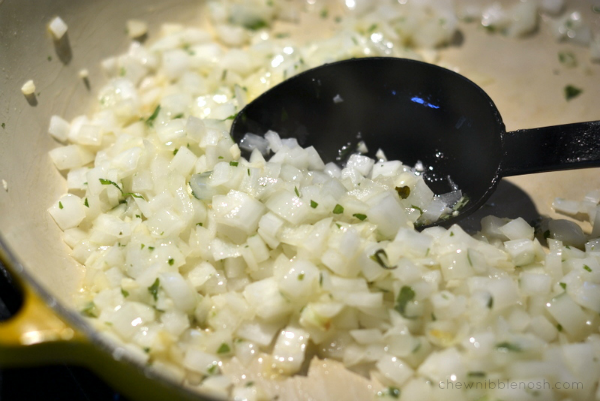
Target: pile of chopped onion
{"type": "Point", "coordinates": [230, 274]}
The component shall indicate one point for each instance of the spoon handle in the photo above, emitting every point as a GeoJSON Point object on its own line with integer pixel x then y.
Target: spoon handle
{"type": "Point", "coordinates": [560, 147]}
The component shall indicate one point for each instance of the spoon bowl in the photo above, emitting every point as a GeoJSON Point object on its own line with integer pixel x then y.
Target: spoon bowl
{"type": "Point", "coordinates": [416, 113]}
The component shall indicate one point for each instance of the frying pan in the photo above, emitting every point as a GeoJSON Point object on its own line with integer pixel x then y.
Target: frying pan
{"type": "Point", "coordinates": [524, 77]}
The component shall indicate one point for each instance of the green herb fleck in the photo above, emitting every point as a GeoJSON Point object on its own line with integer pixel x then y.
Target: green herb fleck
{"type": "Point", "coordinates": [338, 209]}
{"type": "Point", "coordinates": [372, 28]}
{"type": "Point", "coordinates": [249, 384]}
{"type": "Point", "coordinates": [417, 208]}
{"type": "Point", "coordinates": [231, 117]}
{"type": "Point", "coordinates": [248, 172]}
{"type": "Point", "coordinates": [451, 234]}
{"type": "Point", "coordinates": [567, 58]}
{"type": "Point", "coordinates": [587, 268]}
{"type": "Point", "coordinates": [282, 35]}
{"type": "Point", "coordinates": [297, 192]}
{"type": "Point", "coordinates": [3, 125]}
{"type": "Point", "coordinates": [49, 58]}
{"type": "Point", "coordinates": [142, 246]}
{"type": "Point", "coordinates": [90, 310]}
{"type": "Point", "coordinates": [109, 182]}
{"type": "Point", "coordinates": [151, 248]}
{"type": "Point", "coordinates": [572, 92]}
{"type": "Point", "coordinates": [596, 9]}
{"type": "Point", "coordinates": [403, 192]}
{"type": "Point", "coordinates": [256, 24]}
{"type": "Point", "coordinates": [313, 204]}
{"type": "Point", "coordinates": [175, 152]}
{"type": "Point", "coordinates": [360, 216]}
{"type": "Point", "coordinates": [212, 368]}
{"type": "Point", "coordinates": [506, 347]}
{"type": "Point", "coordinates": [153, 289]}
{"type": "Point", "coordinates": [406, 295]}
{"type": "Point", "coordinates": [233, 164]}
{"type": "Point", "coordinates": [381, 258]}
{"type": "Point", "coordinates": [224, 349]}
{"type": "Point", "coordinates": [60, 205]}
{"type": "Point", "coordinates": [85, 203]}
{"type": "Point", "coordinates": [324, 13]}
{"type": "Point", "coordinates": [171, 261]}
{"type": "Point", "coordinates": [150, 120]}
{"type": "Point", "coordinates": [122, 71]}
{"type": "Point", "coordinates": [199, 224]}
{"type": "Point", "coordinates": [490, 303]}
{"type": "Point", "coordinates": [393, 392]}
{"type": "Point", "coordinates": [563, 285]}
{"type": "Point", "coordinates": [300, 276]}
{"type": "Point", "coordinates": [559, 327]}
{"type": "Point", "coordinates": [220, 157]}
{"type": "Point", "coordinates": [125, 293]}
{"type": "Point", "coordinates": [433, 318]}
{"type": "Point", "coordinates": [147, 350]}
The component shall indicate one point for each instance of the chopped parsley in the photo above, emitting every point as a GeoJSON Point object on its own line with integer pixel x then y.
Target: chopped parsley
{"type": "Point", "coordinates": [403, 192]}
{"type": "Point", "coordinates": [125, 293]}
{"type": "Point", "coordinates": [313, 204]}
{"type": "Point", "coordinates": [559, 327]}
{"type": "Point", "coordinates": [142, 246]}
{"type": "Point", "coordinates": [171, 261]}
{"type": "Point", "coordinates": [393, 392]}
{"type": "Point", "coordinates": [231, 117]}
{"type": "Point", "coordinates": [406, 295]}
{"type": "Point", "coordinates": [282, 35]}
{"type": "Point", "coordinates": [587, 268]}
{"type": "Point", "coordinates": [90, 310]}
{"type": "Point", "coordinates": [180, 115]}
{"type": "Point", "coordinates": [360, 216]}
{"type": "Point", "coordinates": [109, 182]}
{"type": "Point", "coordinates": [85, 203]}
{"type": "Point", "coordinates": [417, 208]}
{"type": "Point", "coordinates": [380, 257]}
{"type": "Point", "coordinates": [300, 276]}
{"type": "Point", "coordinates": [508, 347]}
{"type": "Point", "coordinates": [60, 205]}
{"type": "Point", "coordinates": [151, 248]}
{"type": "Point", "coordinates": [256, 24]}
{"type": "Point", "coordinates": [297, 192]}
{"type": "Point", "coordinates": [150, 120]}
{"type": "Point", "coordinates": [338, 209]}
{"type": "Point", "coordinates": [490, 303]}
{"type": "Point", "coordinates": [572, 92]}
{"type": "Point", "coordinates": [153, 289]}
{"type": "Point", "coordinates": [567, 59]}
{"type": "Point", "coordinates": [212, 368]}
{"type": "Point", "coordinates": [224, 349]}
{"type": "Point", "coordinates": [175, 151]}
{"type": "Point", "coordinates": [563, 285]}
{"type": "Point", "coordinates": [233, 164]}
{"type": "Point", "coordinates": [324, 13]}
{"type": "Point", "coordinates": [3, 125]}
{"type": "Point", "coordinates": [49, 58]}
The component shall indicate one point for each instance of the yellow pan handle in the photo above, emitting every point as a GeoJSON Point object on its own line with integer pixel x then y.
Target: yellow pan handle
{"type": "Point", "coordinates": [36, 335]}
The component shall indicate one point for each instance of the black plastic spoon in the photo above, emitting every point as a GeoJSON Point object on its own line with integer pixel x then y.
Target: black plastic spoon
{"type": "Point", "coordinates": [415, 111]}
